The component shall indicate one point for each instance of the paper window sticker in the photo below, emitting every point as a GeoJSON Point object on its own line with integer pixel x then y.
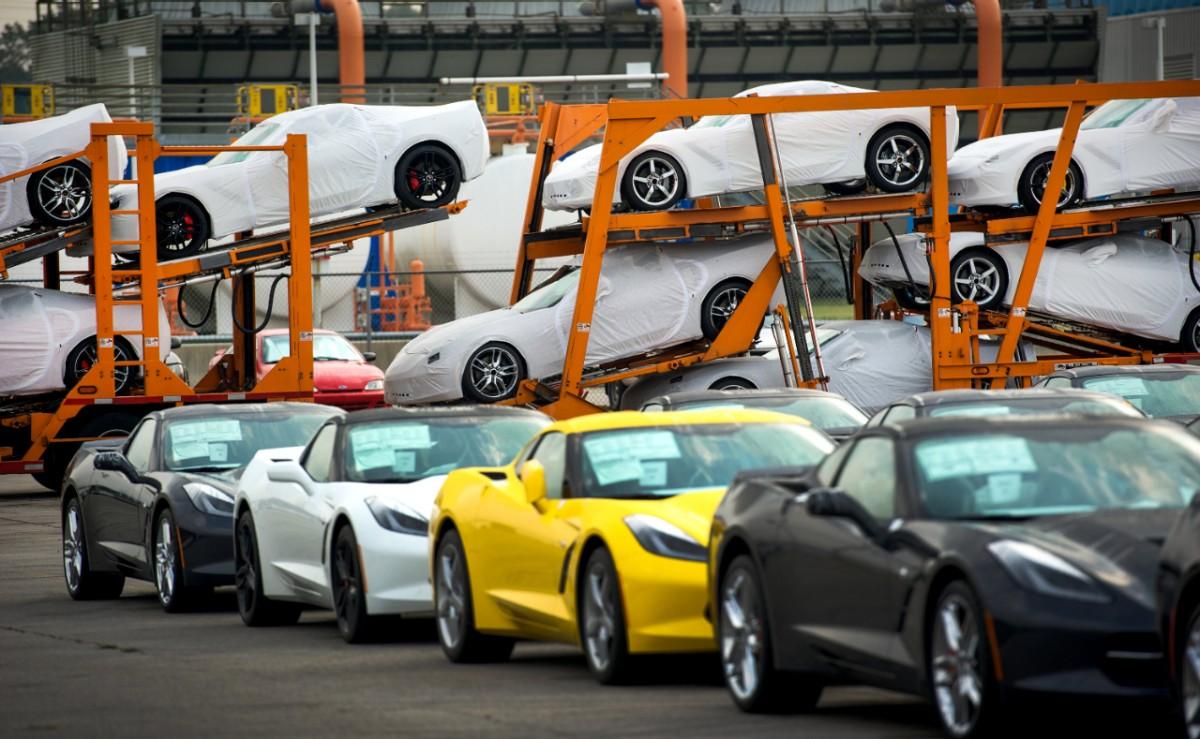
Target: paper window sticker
{"type": "Point", "coordinates": [1126, 387]}
{"type": "Point", "coordinates": [986, 455]}
{"type": "Point", "coordinates": [654, 474]}
{"type": "Point", "coordinates": [407, 436]}
{"type": "Point", "coordinates": [616, 469]}
{"type": "Point", "coordinates": [404, 460]}
{"type": "Point", "coordinates": [372, 458]}
{"type": "Point", "coordinates": [940, 461]}
{"type": "Point", "coordinates": [218, 451]}
{"type": "Point", "coordinates": [993, 409]}
{"type": "Point", "coordinates": [219, 429]}
{"type": "Point", "coordinates": [1003, 489]}
{"type": "Point", "coordinates": [189, 449]}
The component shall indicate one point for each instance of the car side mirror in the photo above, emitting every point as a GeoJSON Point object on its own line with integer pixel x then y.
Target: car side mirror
{"type": "Point", "coordinates": [370, 356]}
{"type": "Point", "coordinates": [533, 478]}
{"type": "Point", "coordinates": [115, 462]}
{"type": "Point", "coordinates": [288, 471]}
{"type": "Point", "coordinates": [1163, 116]}
{"type": "Point", "coordinates": [837, 504]}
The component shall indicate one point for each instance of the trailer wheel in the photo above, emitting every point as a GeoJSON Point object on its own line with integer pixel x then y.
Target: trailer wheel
{"type": "Point", "coordinates": [58, 456]}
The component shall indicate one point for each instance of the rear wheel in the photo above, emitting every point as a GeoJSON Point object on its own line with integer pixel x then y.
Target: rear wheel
{"type": "Point", "coordinates": [959, 665]}
{"type": "Point", "coordinates": [850, 187]}
{"type": "Point", "coordinates": [455, 610]}
{"type": "Point", "coordinates": [602, 620]}
{"type": "Point", "coordinates": [732, 383]}
{"type": "Point", "coordinates": [1187, 674]}
{"type": "Point", "coordinates": [427, 176]}
{"type": "Point", "coordinates": [61, 195]}
{"type": "Point", "coordinates": [653, 181]}
{"type": "Point", "coordinates": [183, 227]}
{"type": "Point", "coordinates": [84, 356]}
{"type": "Point", "coordinates": [1032, 186]}
{"type": "Point", "coordinates": [349, 597]}
{"type": "Point", "coordinates": [82, 583]}
{"type": "Point", "coordinates": [255, 608]}
{"type": "Point", "coordinates": [1189, 337]}
{"type": "Point", "coordinates": [720, 304]}
{"type": "Point", "coordinates": [898, 159]}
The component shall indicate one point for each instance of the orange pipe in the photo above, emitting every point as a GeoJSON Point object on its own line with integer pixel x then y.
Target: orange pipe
{"type": "Point", "coordinates": [351, 54]}
{"type": "Point", "coordinates": [990, 43]}
{"type": "Point", "coordinates": [674, 44]}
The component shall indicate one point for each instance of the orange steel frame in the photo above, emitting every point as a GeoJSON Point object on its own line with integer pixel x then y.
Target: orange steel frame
{"type": "Point", "coordinates": [955, 329]}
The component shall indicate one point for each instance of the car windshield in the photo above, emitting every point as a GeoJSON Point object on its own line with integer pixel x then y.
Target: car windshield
{"type": "Point", "coordinates": [549, 293]}
{"type": "Point", "coordinates": [404, 450]}
{"type": "Point", "coordinates": [1055, 470]}
{"type": "Point", "coordinates": [214, 444]}
{"type": "Point", "coordinates": [713, 121]}
{"type": "Point", "coordinates": [831, 415]}
{"type": "Point", "coordinates": [662, 461]}
{"type": "Point", "coordinates": [1113, 113]}
{"type": "Point", "coordinates": [264, 134]}
{"type": "Point", "coordinates": [1018, 406]}
{"type": "Point", "coordinates": [1158, 395]}
{"type": "Point", "coordinates": [326, 347]}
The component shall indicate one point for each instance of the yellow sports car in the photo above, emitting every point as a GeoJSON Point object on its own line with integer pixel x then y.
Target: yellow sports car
{"type": "Point", "coordinates": [597, 533]}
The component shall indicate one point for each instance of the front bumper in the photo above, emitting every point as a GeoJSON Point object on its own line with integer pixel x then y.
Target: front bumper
{"type": "Point", "coordinates": [664, 604]}
{"type": "Point", "coordinates": [351, 400]}
{"type": "Point", "coordinates": [397, 573]}
{"type": "Point", "coordinates": [972, 184]}
{"type": "Point", "coordinates": [207, 547]}
{"type": "Point", "coordinates": [412, 379]}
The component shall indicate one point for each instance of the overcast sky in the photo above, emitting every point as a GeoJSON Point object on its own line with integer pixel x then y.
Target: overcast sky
{"type": "Point", "coordinates": [16, 10]}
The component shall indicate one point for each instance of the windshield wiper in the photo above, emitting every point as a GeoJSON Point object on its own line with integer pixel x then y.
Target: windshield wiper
{"type": "Point", "coordinates": [330, 359]}
{"type": "Point", "coordinates": [207, 468]}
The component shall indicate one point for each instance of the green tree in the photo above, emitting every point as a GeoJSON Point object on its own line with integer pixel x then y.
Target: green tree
{"type": "Point", "coordinates": [14, 53]}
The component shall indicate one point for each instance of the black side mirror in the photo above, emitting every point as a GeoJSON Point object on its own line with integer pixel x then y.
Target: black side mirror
{"type": "Point", "coordinates": [837, 504]}
{"type": "Point", "coordinates": [115, 462]}
{"type": "Point", "coordinates": [370, 356]}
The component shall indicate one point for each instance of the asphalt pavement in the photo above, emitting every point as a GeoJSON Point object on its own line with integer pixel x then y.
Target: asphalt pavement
{"type": "Point", "coordinates": [126, 668]}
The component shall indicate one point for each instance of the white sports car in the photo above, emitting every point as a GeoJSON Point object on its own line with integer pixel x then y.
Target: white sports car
{"type": "Point", "coordinates": [1123, 146]}
{"type": "Point", "coordinates": [869, 363]}
{"type": "Point", "coordinates": [62, 194]}
{"type": "Point", "coordinates": [1126, 283]}
{"type": "Point", "coordinates": [49, 339]}
{"type": "Point", "coordinates": [649, 298]}
{"type": "Point", "coordinates": [343, 523]}
{"type": "Point", "coordinates": [842, 149]}
{"type": "Point", "coordinates": [358, 156]}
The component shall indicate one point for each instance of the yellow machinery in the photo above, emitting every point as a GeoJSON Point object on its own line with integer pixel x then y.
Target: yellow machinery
{"type": "Point", "coordinates": [26, 102]}
{"type": "Point", "coordinates": [256, 103]}
{"type": "Point", "coordinates": [505, 98]}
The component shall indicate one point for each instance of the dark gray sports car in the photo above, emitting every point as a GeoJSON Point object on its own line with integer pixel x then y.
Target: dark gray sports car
{"type": "Point", "coordinates": [158, 504]}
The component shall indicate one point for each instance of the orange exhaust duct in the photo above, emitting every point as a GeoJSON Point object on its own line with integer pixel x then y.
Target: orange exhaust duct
{"type": "Point", "coordinates": [351, 55]}
{"type": "Point", "coordinates": [674, 44]}
{"type": "Point", "coordinates": [990, 45]}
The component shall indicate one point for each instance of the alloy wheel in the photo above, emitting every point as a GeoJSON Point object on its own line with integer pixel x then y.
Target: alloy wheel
{"type": "Point", "coordinates": [430, 175]}
{"type": "Point", "coordinates": [164, 561]}
{"type": "Point", "coordinates": [900, 160]}
{"type": "Point", "coordinates": [73, 547]}
{"type": "Point", "coordinates": [177, 227]}
{"type": "Point", "coordinates": [600, 616]}
{"type": "Point", "coordinates": [1190, 676]}
{"type": "Point", "coordinates": [245, 577]}
{"type": "Point", "coordinates": [347, 589]}
{"type": "Point", "coordinates": [451, 597]}
{"type": "Point", "coordinates": [494, 372]}
{"type": "Point", "coordinates": [724, 304]}
{"type": "Point", "coordinates": [957, 683]}
{"type": "Point", "coordinates": [1040, 175]}
{"type": "Point", "coordinates": [741, 636]}
{"type": "Point", "coordinates": [655, 182]}
{"type": "Point", "coordinates": [88, 356]}
{"type": "Point", "coordinates": [65, 193]}
{"type": "Point", "coordinates": [977, 280]}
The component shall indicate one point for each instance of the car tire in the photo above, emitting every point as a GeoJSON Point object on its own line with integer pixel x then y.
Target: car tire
{"type": "Point", "coordinates": [183, 228]}
{"type": "Point", "coordinates": [953, 667]}
{"type": "Point", "coordinates": [455, 609]}
{"type": "Point", "coordinates": [979, 275]}
{"type": "Point", "coordinates": [82, 582]}
{"type": "Point", "coordinates": [1187, 677]}
{"type": "Point", "coordinates": [602, 628]}
{"type": "Point", "coordinates": [1032, 184]}
{"type": "Point", "coordinates": [720, 303]}
{"type": "Point", "coordinates": [427, 176]}
{"type": "Point", "coordinates": [898, 159]}
{"type": "Point", "coordinates": [493, 372]}
{"type": "Point", "coordinates": [255, 608]}
{"type": "Point", "coordinates": [166, 553]}
{"type": "Point", "coordinates": [908, 299]}
{"type": "Point", "coordinates": [850, 187]}
{"type": "Point", "coordinates": [1189, 336]}
{"type": "Point", "coordinates": [732, 383]}
{"type": "Point", "coordinates": [61, 195]}
{"type": "Point", "coordinates": [84, 355]}
{"type": "Point", "coordinates": [744, 645]}
{"type": "Point", "coordinates": [349, 596]}
{"type": "Point", "coordinates": [653, 181]}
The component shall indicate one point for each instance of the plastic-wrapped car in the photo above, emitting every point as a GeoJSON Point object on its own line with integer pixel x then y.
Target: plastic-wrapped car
{"type": "Point", "coordinates": [60, 195]}
{"type": "Point", "coordinates": [358, 156]}
{"type": "Point", "coordinates": [842, 149]}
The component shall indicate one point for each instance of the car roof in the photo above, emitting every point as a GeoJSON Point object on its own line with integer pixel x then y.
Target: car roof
{"type": "Point", "coordinates": [1126, 369]}
{"type": "Point", "coordinates": [245, 409]}
{"type": "Point", "coordinates": [970, 425]}
{"type": "Point", "coordinates": [942, 397]}
{"type": "Point", "coordinates": [446, 411]}
{"type": "Point", "coordinates": [280, 331]}
{"type": "Point", "coordinates": [636, 419]}
{"type": "Point", "coordinates": [688, 396]}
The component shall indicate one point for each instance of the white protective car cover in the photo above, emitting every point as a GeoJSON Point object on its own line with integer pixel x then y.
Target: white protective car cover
{"type": "Point", "coordinates": [352, 155]}
{"type": "Point", "coordinates": [23, 145]}
{"type": "Point", "coordinates": [721, 157]}
{"type": "Point", "coordinates": [41, 327]}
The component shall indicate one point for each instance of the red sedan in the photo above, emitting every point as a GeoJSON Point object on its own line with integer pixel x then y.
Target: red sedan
{"type": "Point", "coordinates": [342, 375]}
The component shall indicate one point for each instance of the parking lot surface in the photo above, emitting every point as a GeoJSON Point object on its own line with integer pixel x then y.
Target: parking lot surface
{"type": "Point", "coordinates": [126, 668]}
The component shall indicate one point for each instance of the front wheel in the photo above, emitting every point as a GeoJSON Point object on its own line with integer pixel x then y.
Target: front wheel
{"type": "Point", "coordinates": [898, 159]}
{"type": "Point", "coordinates": [959, 665]}
{"type": "Point", "coordinates": [720, 304]}
{"type": "Point", "coordinates": [349, 598]}
{"type": "Point", "coordinates": [183, 227]}
{"type": "Point", "coordinates": [255, 608]}
{"type": "Point", "coordinates": [1032, 186]}
{"type": "Point", "coordinates": [455, 610]}
{"type": "Point", "coordinates": [1189, 337]}
{"type": "Point", "coordinates": [979, 275]}
{"type": "Point", "coordinates": [602, 620]}
{"type": "Point", "coordinates": [653, 181]}
{"type": "Point", "coordinates": [493, 373]}
{"type": "Point", "coordinates": [82, 583]}
{"type": "Point", "coordinates": [427, 176]}
{"type": "Point", "coordinates": [1187, 674]}
{"type": "Point", "coordinates": [744, 641]}
{"type": "Point", "coordinates": [61, 195]}
{"type": "Point", "coordinates": [173, 594]}
{"type": "Point", "coordinates": [732, 383]}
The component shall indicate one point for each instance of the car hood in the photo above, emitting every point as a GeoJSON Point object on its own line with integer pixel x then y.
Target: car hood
{"type": "Point", "coordinates": [1119, 548]}
{"type": "Point", "coordinates": [167, 181]}
{"type": "Point", "coordinates": [334, 375]}
{"type": "Point", "coordinates": [1008, 143]}
{"type": "Point", "coordinates": [433, 339]}
{"type": "Point", "coordinates": [692, 512]}
{"type": "Point", "coordinates": [418, 495]}
{"type": "Point", "coordinates": [225, 481]}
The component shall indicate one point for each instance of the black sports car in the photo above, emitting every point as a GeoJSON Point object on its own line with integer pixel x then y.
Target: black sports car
{"type": "Point", "coordinates": [1170, 391]}
{"type": "Point", "coordinates": [1039, 400]}
{"type": "Point", "coordinates": [973, 563]}
{"type": "Point", "coordinates": [158, 504]}
{"type": "Point", "coordinates": [829, 412]}
{"type": "Point", "coordinates": [1179, 613]}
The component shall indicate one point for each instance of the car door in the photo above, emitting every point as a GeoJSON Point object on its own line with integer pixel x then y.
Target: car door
{"type": "Point", "coordinates": [116, 507]}
{"type": "Point", "coordinates": [845, 583]}
{"type": "Point", "coordinates": [526, 545]}
{"type": "Point", "coordinates": [342, 158]}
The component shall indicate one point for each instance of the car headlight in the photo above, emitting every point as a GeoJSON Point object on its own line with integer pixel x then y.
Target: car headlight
{"type": "Point", "coordinates": [433, 358]}
{"type": "Point", "coordinates": [395, 516]}
{"type": "Point", "coordinates": [374, 385]}
{"type": "Point", "coordinates": [209, 499]}
{"type": "Point", "coordinates": [991, 160]}
{"type": "Point", "coordinates": [1038, 570]}
{"type": "Point", "coordinates": [665, 539]}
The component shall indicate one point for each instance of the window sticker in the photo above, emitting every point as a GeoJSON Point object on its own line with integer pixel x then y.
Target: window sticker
{"type": "Point", "coordinates": [407, 436]}
{"type": "Point", "coordinates": [404, 461]}
{"type": "Point", "coordinates": [940, 460]}
{"type": "Point", "coordinates": [218, 451]}
{"type": "Point", "coordinates": [369, 459]}
{"type": "Point", "coordinates": [189, 449]}
{"type": "Point", "coordinates": [218, 429]}
{"type": "Point", "coordinates": [1001, 489]}
{"type": "Point", "coordinates": [991, 409]}
{"type": "Point", "coordinates": [1126, 387]}
{"type": "Point", "coordinates": [619, 457]}
{"type": "Point", "coordinates": [654, 474]}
